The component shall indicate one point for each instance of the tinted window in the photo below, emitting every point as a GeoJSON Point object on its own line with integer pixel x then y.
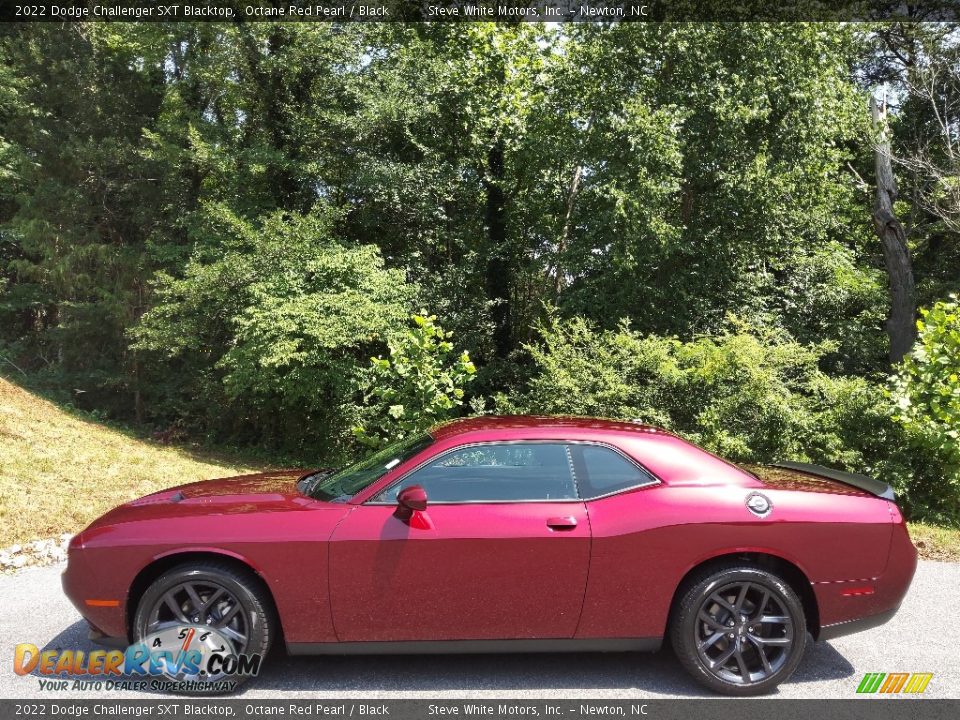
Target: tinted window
{"type": "Point", "coordinates": [494, 472]}
{"type": "Point", "coordinates": [601, 471]}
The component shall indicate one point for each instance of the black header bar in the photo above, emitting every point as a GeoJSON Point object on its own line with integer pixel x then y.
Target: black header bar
{"type": "Point", "coordinates": [60, 11]}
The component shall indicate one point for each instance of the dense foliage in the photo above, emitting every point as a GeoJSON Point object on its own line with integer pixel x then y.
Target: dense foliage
{"type": "Point", "coordinates": [927, 391]}
{"type": "Point", "coordinates": [420, 384]}
{"type": "Point", "coordinates": [747, 393]}
{"type": "Point", "coordinates": [268, 331]}
{"type": "Point", "coordinates": [214, 227]}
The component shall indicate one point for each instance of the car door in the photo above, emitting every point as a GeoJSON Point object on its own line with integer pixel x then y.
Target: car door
{"type": "Point", "coordinates": [500, 552]}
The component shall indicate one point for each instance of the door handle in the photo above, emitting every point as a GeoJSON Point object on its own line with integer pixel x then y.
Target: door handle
{"type": "Point", "coordinates": [561, 523]}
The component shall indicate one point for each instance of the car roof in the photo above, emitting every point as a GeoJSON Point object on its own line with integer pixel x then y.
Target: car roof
{"type": "Point", "coordinates": [563, 424]}
{"type": "Point", "coordinates": [675, 461]}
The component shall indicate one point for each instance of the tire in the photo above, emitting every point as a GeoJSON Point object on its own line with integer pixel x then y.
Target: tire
{"type": "Point", "coordinates": [221, 585]}
{"type": "Point", "coordinates": [765, 648]}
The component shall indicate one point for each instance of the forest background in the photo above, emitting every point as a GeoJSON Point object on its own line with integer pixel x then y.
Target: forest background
{"type": "Point", "coordinates": [298, 240]}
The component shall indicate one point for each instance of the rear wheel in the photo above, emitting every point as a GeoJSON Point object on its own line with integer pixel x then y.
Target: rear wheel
{"type": "Point", "coordinates": [208, 595]}
{"type": "Point", "coordinates": [739, 630]}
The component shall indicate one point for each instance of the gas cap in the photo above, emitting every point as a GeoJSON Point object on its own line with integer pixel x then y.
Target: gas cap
{"type": "Point", "coordinates": [759, 504]}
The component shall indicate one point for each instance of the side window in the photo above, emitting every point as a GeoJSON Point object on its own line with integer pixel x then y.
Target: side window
{"type": "Point", "coordinates": [493, 472]}
{"type": "Point", "coordinates": [602, 471]}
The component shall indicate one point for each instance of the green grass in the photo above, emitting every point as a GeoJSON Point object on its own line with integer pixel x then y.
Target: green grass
{"type": "Point", "coordinates": [936, 543]}
{"type": "Point", "coordinates": [59, 471]}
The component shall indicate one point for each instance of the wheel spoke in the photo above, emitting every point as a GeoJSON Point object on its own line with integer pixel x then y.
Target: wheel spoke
{"type": "Point", "coordinates": [723, 602]}
{"type": "Point", "coordinates": [773, 619]}
{"type": "Point", "coordinates": [742, 664]}
{"type": "Point", "coordinates": [209, 601]}
{"type": "Point", "coordinates": [172, 603]}
{"type": "Point", "coordinates": [195, 600]}
{"type": "Point", "coordinates": [773, 641]}
{"type": "Point", "coordinates": [710, 641]}
{"type": "Point", "coordinates": [720, 661]}
{"type": "Point", "coordinates": [228, 616]}
{"type": "Point", "coordinates": [738, 606]}
{"type": "Point", "coordinates": [762, 606]}
{"type": "Point", "coordinates": [238, 637]}
{"type": "Point", "coordinates": [761, 651]}
{"type": "Point", "coordinates": [711, 621]}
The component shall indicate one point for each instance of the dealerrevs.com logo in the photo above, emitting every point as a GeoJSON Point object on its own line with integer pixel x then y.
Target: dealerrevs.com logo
{"type": "Point", "coordinates": [890, 683]}
{"type": "Point", "coordinates": [178, 658]}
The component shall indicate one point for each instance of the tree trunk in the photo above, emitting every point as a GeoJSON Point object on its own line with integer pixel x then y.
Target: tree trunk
{"type": "Point", "coordinates": [498, 259]}
{"type": "Point", "coordinates": [901, 322]}
{"type": "Point", "coordinates": [567, 232]}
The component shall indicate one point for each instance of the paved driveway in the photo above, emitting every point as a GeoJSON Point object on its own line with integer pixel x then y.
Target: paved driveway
{"type": "Point", "coordinates": [921, 638]}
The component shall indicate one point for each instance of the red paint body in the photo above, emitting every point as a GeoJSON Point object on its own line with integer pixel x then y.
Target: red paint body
{"type": "Point", "coordinates": [605, 568]}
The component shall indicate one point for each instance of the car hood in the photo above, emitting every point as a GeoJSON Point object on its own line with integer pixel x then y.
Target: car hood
{"type": "Point", "coordinates": [277, 485]}
{"type": "Point", "coordinates": [269, 491]}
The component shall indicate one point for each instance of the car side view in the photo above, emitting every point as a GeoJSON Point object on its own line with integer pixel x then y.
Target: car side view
{"type": "Point", "coordinates": [504, 534]}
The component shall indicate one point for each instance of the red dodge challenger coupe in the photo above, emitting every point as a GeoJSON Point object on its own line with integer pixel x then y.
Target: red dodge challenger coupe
{"type": "Point", "coordinates": [502, 534]}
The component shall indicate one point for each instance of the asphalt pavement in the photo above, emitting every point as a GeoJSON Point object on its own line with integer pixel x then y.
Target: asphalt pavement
{"type": "Point", "coordinates": [920, 638]}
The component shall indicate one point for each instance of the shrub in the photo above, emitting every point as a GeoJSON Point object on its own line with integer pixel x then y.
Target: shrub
{"type": "Point", "coordinates": [420, 384]}
{"type": "Point", "coordinates": [744, 393]}
{"type": "Point", "coordinates": [927, 395]}
{"type": "Point", "coordinates": [278, 318]}
{"type": "Point", "coordinates": [747, 393]}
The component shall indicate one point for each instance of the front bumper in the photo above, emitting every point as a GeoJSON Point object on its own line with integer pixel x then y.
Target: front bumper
{"type": "Point", "coordinates": [96, 635]}
{"type": "Point", "coordinates": [84, 589]}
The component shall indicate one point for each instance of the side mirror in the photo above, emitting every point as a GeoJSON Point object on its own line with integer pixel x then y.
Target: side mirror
{"type": "Point", "coordinates": [410, 499]}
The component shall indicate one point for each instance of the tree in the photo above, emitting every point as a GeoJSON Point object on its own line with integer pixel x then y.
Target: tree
{"type": "Point", "coordinates": [75, 242]}
{"type": "Point", "coordinates": [893, 238]}
{"type": "Point", "coordinates": [218, 225]}
{"type": "Point", "coordinates": [916, 64]}
{"type": "Point", "coordinates": [270, 326]}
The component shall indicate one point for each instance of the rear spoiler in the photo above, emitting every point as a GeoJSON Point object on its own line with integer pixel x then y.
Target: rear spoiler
{"type": "Point", "coordinates": [861, 482]}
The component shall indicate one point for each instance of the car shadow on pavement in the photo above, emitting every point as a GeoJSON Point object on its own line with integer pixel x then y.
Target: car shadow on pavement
{"type": "Point", "coordinates": [659, 673]}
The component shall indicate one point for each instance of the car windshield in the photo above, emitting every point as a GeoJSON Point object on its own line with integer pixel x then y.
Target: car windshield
{"type": "Point", "coordinates": [344, 484]}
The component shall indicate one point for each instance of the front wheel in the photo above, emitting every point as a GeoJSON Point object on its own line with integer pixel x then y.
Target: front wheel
{"type": "Point", "coordinates": [739, 630]}
{"type": "Point", "coordinates": [206, 602]}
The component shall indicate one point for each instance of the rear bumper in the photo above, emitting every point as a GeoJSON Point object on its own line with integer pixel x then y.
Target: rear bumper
{"type": "Point", "coordinates": [829, 632]}
{"type": "Point", "coordinates": [851, 606]}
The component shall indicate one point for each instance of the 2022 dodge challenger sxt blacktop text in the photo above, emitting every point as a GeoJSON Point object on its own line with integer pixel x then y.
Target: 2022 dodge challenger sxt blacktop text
{"type": "Point", "coordinates": [501, 534]}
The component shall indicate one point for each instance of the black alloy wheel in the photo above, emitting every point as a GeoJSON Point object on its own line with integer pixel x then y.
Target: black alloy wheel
{"type": "Point", "coordinates": [739, 630]}
{"type": "Point", "coordinates": [209, 594]}
{"type": "Point", "coordinates": [201, 603]}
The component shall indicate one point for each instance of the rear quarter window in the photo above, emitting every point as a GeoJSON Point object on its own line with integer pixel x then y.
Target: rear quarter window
{"type": "Point", "coordinates": [602, 471]}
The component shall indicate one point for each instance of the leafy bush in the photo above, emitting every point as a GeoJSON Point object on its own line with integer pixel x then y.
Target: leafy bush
{"type": "Point", "coordinates": [747, 394]}
{"type": "Point", "coordinates": [421, 383]}
{"type": "Point", "coordinates": [927, 394]}
{"type": "Point", "coordinates": [282, 318]}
